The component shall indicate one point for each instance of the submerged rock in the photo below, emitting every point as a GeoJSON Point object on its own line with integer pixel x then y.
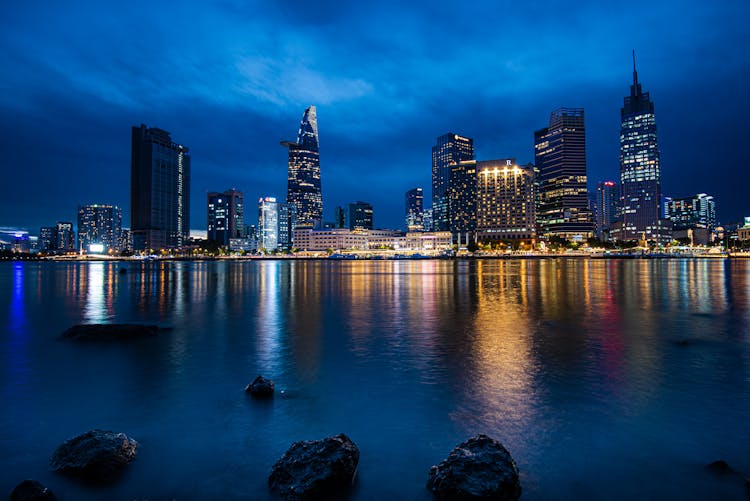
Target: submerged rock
{"type": "Point", "coordinates": [109, 332]}
{"type": "Point", "coordinates": [479, 468]}
{"type": "Point", "coordinates": [97, 455]}
{"type": "Point", "coordinates": [260, 387]}
{"type": "Point", "coordinates": [313, 469]}
{"type": "Point", "coordinates": [720, 467]}
{"type": "Point", "coordinates": [31, 490]}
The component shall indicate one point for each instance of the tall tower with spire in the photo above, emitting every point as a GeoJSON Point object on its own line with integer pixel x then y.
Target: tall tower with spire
{"type": "Point", "coordinates": [303, 180]}
{"type": "Point", "coordinates": [640, 168]}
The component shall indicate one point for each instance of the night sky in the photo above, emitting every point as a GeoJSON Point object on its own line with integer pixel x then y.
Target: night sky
{"type": "Point", "coordinates": [232, 79]}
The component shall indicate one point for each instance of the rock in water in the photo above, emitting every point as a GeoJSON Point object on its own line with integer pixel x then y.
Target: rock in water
{"type": "Point", "coordinates": [260, 387]}
{"type": "Point", "coordinates": [479, 468]}
{"type": "Point", "coordinates": [31, 490]}
{"type": "Point", "coordinates": [313, 469]}
{"type": "Point", "coordinates": [720, 467]}
{"type": "Point", "coordinates": [97, 455]}
{"type": "Point", "coordinates": [109, 332]}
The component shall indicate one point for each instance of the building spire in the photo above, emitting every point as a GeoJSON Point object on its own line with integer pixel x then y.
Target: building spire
{"type": "Point", "coordinates": [635, 73]}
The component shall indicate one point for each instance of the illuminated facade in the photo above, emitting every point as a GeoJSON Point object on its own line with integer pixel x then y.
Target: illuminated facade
{"type": "Point", "coordinates": [159, 190]}
{"type": "Point", "coordinates": [449, 150]}
{"type": "Point", "coordinates": [462, 201]}
{"type": "Point", "coordinates": [698, 211]}
{"type": "Point", "coordinates": [268, 223]}
{"type": "Point", "coordinates": [63, 238]}
{"type": "Point", "coordinates": [505, 201]}
{"type": "Point", "coordinates": [414, 210]}
{"type": "Point", "coordinates": [225, 216]}
{"type": "Point", "coordinates": [287, 222]}
{"type": "Point", "coordinates": [99, 225]}
{"type": "Point", "coordinates": [340, 239]}
{"type": "Point", "coordinates": [640, 168]}
{"type": "Point", "coordinates": [606, 208]}
{"type": "Point", "coordinates": [303, 180]}
{"type": "Point", "coordinates": [560, 156]}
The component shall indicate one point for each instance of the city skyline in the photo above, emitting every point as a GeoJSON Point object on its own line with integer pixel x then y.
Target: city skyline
{"type": "Point", "coordinates": [378, 121]}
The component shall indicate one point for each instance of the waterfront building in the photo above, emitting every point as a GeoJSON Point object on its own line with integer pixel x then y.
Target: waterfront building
{"type": "Point", "coordinates": [743, 232]}
{"type": "Point", "coordinates": [358, 215]}
{"type": "Point", "coordinates": [691, 212]}
{"type": "Point", "coordinates": [606, 208]}
{"type": "Point", "coordinates": [126, 241]}
{"type": "Point", "coordinates": [287, 222]}
{"type": "Point", "coordinates": [268, 223]}
{"type": "Point", "coordinates": [344, 239]}
{"type": "Point", "coordinates": [462, 201]}
{"type": "Point", "coordinates": [414, 210]}
{"type": "Point", "coordinates": [64, 237]}
{"type": "Point", "coordinates": [428, 226]}
{"type": "Point", "coordinates": [449, 150]}
{"type": "Point", "coordinates": [100, 226]}
{"type": "Point", "coordinates": [303, 180]}
{"type": "Point", "coordinates": [505, 201]}
{"type": "Point", "coordinates": [225, 216]}
{"type": "Point", "coordinates": [640, 168]}
{"type": "Point", "coordinates": [47, 240]}
{"type": "Point", "coordinates": [159, 190]}
{"type": "Point", "coordinates": [560, 156]}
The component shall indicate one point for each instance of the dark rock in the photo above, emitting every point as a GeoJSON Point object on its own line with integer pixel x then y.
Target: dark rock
{"type": "Point", "coordinates": [96, 456]}
{"type": "Point", "coordinates": [31, 490]}
{"type": "Point", "coordinates": [720, 467]}
{"type": "Point", "coordinates": [479, 468]}
{"type": "Point", "coordinates": [315, 468]}
{"type": "Point", "coordinates": [260, 387]}
{"type": "Point", "coordinates": [109, 332]}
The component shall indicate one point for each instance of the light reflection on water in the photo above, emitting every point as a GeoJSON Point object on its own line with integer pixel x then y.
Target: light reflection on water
{"type": "Point", "coordinates": [605, 378]}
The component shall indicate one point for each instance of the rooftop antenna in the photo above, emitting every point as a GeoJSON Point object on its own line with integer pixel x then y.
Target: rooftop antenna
{"type": "Point", "coordinates": [635, 73]}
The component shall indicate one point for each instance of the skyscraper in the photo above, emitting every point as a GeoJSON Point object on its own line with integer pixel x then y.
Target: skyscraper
{"type": "Point", "coordinates": [358, 216]}
{"type": "Point", "coordinates": [606, 208]}
{"type": "Point", "coordinates": [462, 201]}
{"type": "Point", "coordinates": [449, 150]}
{"type": "Point", "coordinates": [287, 222]}
{"type": "Point", "coordinates": [505, 201]}
{"type": "Point", "coordinates": [303, 180]}
{"type": "Point", "coordinates": [99, 225]}
{"type": "Point", "coordinates": [268, 223]}
{"type": "Point", "coordinates": [159, 190]}
{"type": "Point", "coordinates": [640, 167]}
{"type": "Point", "coordinates": [414, 210]}
{"type": "Point", "coordinates": [226, 216]}
{"type": "Point", "coordinates": [560, 153]}
{"type": "Point", "coordinates": [691, 212]}
{"type": "Point", "coordinates": [64, 239]}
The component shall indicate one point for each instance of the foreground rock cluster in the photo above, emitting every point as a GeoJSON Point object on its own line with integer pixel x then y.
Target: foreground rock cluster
{"type": "Point", "coordinates": [260, 387]}
{"type": "Point", "coordinates": [96, 456]}
{"type": "Point", "coordinates": [314, 469]}
{"type": "Point", "coordinates": [31, 490]}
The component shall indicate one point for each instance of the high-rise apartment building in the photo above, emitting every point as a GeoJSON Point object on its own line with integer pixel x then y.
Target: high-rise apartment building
{"type": "Point", "coordinates": [640, 168]}
{"type": "Point", "coordinates": [414, 210]}
{"type": "Point", "coordinates": [358, 216]}
{"type": "Point", "coordinates": [560, 156]}
{"type": "Point", "coordinates": [287, 223]}
{"type": "Point", "coordinates": [607, 196]}
{"type": "Point", "coordinates": [268, 223]}
{"type": "Point", "coordinates": [449, 150]}
{"type": "Point", "coordinates": [99, 225]}
{"type": "Point", "coordinates": [462, 201]}
{"type": "Point", "coordinates": [698, 211]}
{"type": "Point", "coordinates": [64, 238]}
{"type": "Point", "coordinates": [505, 201]}
{"type": "Point", "coordinates": [303, 180]}
{"type": "Point", "coordinates": [226, 216]}
{"type": "Point", "coordinates": [159, 190]}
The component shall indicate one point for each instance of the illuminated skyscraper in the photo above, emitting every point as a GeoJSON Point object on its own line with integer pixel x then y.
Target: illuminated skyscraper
{"type": "Point", "coordinates": [414, 210]}
{"type": "Point", "coordinates": [303, 180]}
{"type": "Point", "coordinates": [99, 224]}
{"type": "Point", "coordinates": [560, 153]}
{"type": "Point", "coordinates": [640, 168]}
{"type": "Point", "coordinates": [358, 216]}
{"type": "Point", "coordinates": [226, 216]}
{"type": "Point", "coordinates": [462, 201]}
{"type": "Point", "coordinates": [606, 208]}
{"type": "Point", "coordinates": [698, 211]}
{"type": "Point", "coordinates": [159, 190]}
{"type": "Point", "coordinates": [449, 150]}
{"type": "Point", "coordinates": [268, 223]}
{"type": "Point", "coordinates": [505, 201]}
